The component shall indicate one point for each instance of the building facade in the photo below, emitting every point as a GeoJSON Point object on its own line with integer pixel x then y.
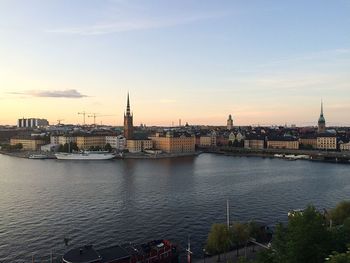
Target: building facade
{"type": "Point", "coordinates": [171, 142]}
{"type": "Point", "coordinates": [283, 143]}
{"type": "Point", "coordinates": [254, 141]}
{"type": "Point", "coordinates": [135, 146]}
{"type": "Point", "coordinates": [28, 143]}
{"type": "Point", "coordinates": [66, 139]}
{"type": "Point", "coordinates": [32, 123]}
{"type": "Point", "coordinates": [327, 142]}
{"type": "Point", "coordinates": [308, 142]}
{"type": "Point", "coordinates": [117, 142]}
{"type": "Point", "coordinates": [345, 146]}
{"type": "Point", "coordinates": [84, 142]}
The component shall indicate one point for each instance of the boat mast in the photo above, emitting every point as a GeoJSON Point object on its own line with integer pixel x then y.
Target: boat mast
{"type": "Point", "coordinates": [227, 214]}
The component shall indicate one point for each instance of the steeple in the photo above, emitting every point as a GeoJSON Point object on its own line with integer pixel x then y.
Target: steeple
{"type": "Point", "coordinates": [128, 106]}
{"type": "Point", "coordinates": [321, 121]}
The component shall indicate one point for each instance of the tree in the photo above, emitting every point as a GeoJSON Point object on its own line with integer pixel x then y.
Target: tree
{"type": "Point", "coordinates": [218, 240]}
{"type": "Point", "coordinates": [340, 212]}
{"type": "Point", "coordinates": [307, 238]}
{"type": "Point", "coordinates": [240, 235]}
{"type": "Point", "coordinates": [108, 147]}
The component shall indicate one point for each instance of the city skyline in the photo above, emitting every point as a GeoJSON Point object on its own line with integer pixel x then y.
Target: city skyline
{"type": "Point", "coordinates": [268, 63]}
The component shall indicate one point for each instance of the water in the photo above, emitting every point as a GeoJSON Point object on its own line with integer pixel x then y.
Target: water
{"type": "Point", "coordinates": [109, 202]}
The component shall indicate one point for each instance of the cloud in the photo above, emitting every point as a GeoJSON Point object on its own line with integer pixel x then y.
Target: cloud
{"type": "Point", "coordinates": [69, 93]}
{"type": "Point", "coordinates": [133, 25]}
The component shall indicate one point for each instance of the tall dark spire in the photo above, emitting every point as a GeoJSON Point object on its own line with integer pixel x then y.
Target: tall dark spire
{"type": "Point", "coordinates": [321, 107]}
{"type": "Point", "coordinates": [128, 106]}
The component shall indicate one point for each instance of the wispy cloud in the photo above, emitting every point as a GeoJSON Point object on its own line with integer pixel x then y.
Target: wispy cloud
{"type": "Point", "coordinates": [69, 93]}
{"type": "Point", "coordinates": [134, 24]}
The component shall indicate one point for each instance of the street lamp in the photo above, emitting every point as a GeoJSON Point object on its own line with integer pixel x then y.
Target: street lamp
{"type": "Point", "coordinates": [203, 255]}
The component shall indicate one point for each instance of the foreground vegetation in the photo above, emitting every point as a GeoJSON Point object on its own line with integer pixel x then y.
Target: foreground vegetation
{"type": "Point", "coordinates": [310, 236]}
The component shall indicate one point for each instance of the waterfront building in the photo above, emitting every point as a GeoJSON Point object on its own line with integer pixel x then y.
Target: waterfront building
{"type": "Point", "coordinates": [128, 122]}
{"type": "Point", "coordinates": [229, 122]}
{"type": "Point", "coordinates": [308, 141]}
{"type": "Point", "coordinates": [135, 146]}
{"type": "Point", "coordinates": [283, 142]}
{"type": "Point", "coordinates": [221, 140]}
{"type": "Point", "coordinates": [54, 139]}
{"type": "Point", "coordinates": [232, 137]}
{"type": "Point", "coordinates": [254, 141]}
{"type": "Point", "coordinates": [117, 142]}
{"type": "Point", "coordinates": [174, 142]}
{"type": "Point", "coordinates": [32, 123]}
{"type": "Point", "coordinates": [208, 140]}
{"type": "Point", "coordinates": [321, 121]}
{"type": "Point", "coordinates": [345, 146]}
{"type": "Point", "coordinates": [327, 141]}
{"type": "Point", "coordinates": [84, 142]}
{"type": "Point", "coordinates": [63, 139]}
{"type": "Point", "coordinates": [29, 143]}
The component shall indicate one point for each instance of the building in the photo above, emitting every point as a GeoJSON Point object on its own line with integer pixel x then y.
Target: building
{"type": "Point", "coordinates": [117, 142]}
{"type": "Point", "coordinates": [321, 121]}
{"type": "Point", "coordinates": [84, 142]}
{"type": "Point", "coordinates": [308, 141]}
{"type": "Point", "coordinates": [54, 139]}
{"type": "Point", "coordinates": [345, 146]}
{"type": "Point", "coordinates": [174, 142]}
{"type": "Point", "coordinates": [32, 123]}
{"type": "Point", "coordinates": [28, 143]}
{"type": "Point", "coordinates": [208, 140]}
{"type": "Point", "coordinates": [66, 139]}
{"type": "Point", "coordinates": [229, 122]}
{"type": "Point", "coordinates": [327, 141]}
{"type": "Point", "coordinates": [254, 141]}
{"type": "Point", "coordinates": [135, 146]}
{"type": "Point", "coordinates": [283, 142]}
{"type": "Point", "coordinates": [128, 122]}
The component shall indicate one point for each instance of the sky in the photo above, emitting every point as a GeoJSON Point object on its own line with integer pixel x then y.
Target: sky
{"type": "Point", "coordinates": [265, 62]}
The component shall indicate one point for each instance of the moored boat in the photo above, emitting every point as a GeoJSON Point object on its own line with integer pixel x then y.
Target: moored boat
{"type": "Point", "coordinates": [85, 156]}
{"type": "Point", "coordinates": [38, 156]}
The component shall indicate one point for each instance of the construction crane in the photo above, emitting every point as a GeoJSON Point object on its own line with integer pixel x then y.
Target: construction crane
{"type": "Point", "coordinates": [94, 115]}
{"type": "Point", "coordinates": [59, 121]}
{"type": "Point", "coordinates": [83, 113]}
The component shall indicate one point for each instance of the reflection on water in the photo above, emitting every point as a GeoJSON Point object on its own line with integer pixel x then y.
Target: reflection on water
{"type": "Point", "coordinates": [109, 202]}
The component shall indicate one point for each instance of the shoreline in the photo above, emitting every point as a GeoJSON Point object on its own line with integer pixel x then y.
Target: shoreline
{"type": "Point", "coordinates": [314, 156]}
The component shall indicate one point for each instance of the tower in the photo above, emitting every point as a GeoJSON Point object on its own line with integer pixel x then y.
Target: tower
{"type": "Point", "coordinates": [321, 121]}
{"type": "Point", "coordinates": [128, 117]}
{"type": "Point", "coordinates": [229, 122]}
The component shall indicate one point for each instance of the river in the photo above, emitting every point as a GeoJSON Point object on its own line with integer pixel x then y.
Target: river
{"type": "Point", "coordinates": [110, 202]}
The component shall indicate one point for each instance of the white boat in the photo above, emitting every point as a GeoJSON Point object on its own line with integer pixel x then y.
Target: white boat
{"type": "Point", "coordinates": [38, 156]}
{"type": "Point", "coordinates": [85, 156]}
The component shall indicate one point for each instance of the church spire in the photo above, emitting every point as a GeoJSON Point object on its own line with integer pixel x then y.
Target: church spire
{"type": "Point", "coordinates": [128, 106]}
{"type": "Point", "coordinates": [321, 107]}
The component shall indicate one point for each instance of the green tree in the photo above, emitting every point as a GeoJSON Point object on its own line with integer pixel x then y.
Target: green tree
{"type": "Point", "coordinates": [340, 212]}
{"type": "Point", "coordinates": [307, 237]}
{"type": "Point", "coordinates": [108, 147]}
{"type": "Point", "coordinates": [240, 235]}
{"type": "Point", "coordinates": [218, 240]}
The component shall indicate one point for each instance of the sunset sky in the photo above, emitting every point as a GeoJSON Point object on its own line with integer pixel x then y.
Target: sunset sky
{"type": "Point", "coordinates": [264, 62]}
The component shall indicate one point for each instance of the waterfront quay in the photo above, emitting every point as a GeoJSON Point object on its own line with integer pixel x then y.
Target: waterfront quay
{"type": "Point", "coordinates": [314, 155]}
